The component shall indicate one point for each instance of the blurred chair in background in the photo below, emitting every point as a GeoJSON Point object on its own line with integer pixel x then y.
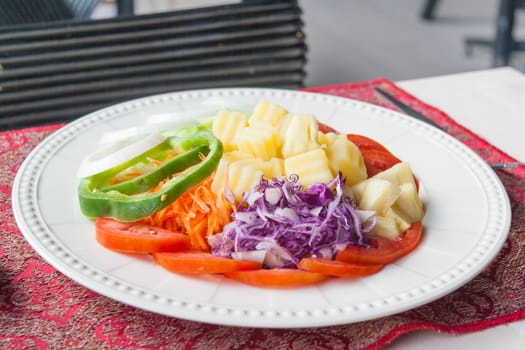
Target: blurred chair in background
{"type": "Point", "coordinates": [504, 43]}
{"type": "Point", "coordinates": [13, 12]}
{"type": "Point", "coordinates": [428, 9]}
{"type": "Point", "coordinates": [60, 70]}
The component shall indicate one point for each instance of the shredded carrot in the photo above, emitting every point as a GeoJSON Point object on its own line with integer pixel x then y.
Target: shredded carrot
{"type": "Point", "coordinates": [158, 187]}
{"type": "Point", "coordinates": [125, 177]}
{"type": "Point", "coordinates": [154, 161]}
{"type": "Point", "coordinates": [199, 213]}
{"type": "Point", "coordinates": [129, 174]}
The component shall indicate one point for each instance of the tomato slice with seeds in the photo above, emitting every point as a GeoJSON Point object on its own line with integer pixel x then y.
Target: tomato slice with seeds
{"type": "Point", "coordinates": [383, 250]}
{"type": "Point", "coordinates": [361, 141]}
{"type": "Point", "coordinates": [195, 262]}
{"type": "Point", "coordinates": [135, 237]}
{"type": "Point", "coordinates": [326, 128]}
{"type": "Point", "coordinates": [277, 278]}
{"type": "Point", "coordinates": [376, 156]}
{"type": "Point", "coordinates": [376, 161]}
{"type": "Point", "coordinates": [338, 268]}
{"type": "Point", "coordinates": [366, 143]}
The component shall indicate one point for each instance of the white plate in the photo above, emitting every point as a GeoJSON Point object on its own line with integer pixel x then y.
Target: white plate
{"type": "Point", "coordinates": [467, 221]}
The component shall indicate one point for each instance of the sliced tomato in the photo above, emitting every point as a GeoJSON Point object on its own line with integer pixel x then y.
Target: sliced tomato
{"type": "Point", "coordinates": [376, 161]}
{"type": "Point", "coordinates": [361, 141]}
{"type": "Point", "coordinates": [377, 157]}
{"type": "Point", "coordinates": [135, 237]}
{"type": "Point", "coordinates": [338, 268]}
{"type": "Point", "coordinates": [383, 250]}
{"type": "Point", "coordinates": [277, 278]}
{"type": "Point", "coordinates": [325, 128]}
{"type": "Point", "coordinates": [366, 143]}
{"type": "Point", "coordinates": [199, 262]}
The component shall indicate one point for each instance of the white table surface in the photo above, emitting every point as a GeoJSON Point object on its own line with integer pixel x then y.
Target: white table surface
{"type": "Point", "coordinates": [491, 103]}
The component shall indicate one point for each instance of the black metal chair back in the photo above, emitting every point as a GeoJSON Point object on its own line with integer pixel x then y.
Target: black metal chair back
{"type": "Point", "coordinates": [62, 70]}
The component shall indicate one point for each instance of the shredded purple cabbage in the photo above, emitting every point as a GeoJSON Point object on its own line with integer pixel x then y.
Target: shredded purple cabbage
{"type": "Point", "coordinates": [290, 223]}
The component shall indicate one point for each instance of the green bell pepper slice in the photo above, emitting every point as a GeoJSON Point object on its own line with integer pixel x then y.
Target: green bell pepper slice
{"type": "Point", "coordinates": [130, 200]}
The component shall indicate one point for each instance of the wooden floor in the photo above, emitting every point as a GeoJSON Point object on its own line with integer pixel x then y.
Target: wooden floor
{"type": "Point", "coordinates": [356, 40]}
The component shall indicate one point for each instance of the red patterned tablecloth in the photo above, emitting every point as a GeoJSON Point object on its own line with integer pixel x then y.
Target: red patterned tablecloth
{"type": "Point", "coordinates": [40, 308]}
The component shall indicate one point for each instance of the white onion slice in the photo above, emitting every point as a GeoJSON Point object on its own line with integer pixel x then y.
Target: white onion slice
{"type": "Point", "coordinates": [250, 255]}
{"type": "Point", "coordinates": [276, 256]}
{"type": "Point", "coordinates": [288, 213]}
{"type": "Point", "coordinates": [147, 128]}
{"type": "Point", "coordinates": [117, 153]}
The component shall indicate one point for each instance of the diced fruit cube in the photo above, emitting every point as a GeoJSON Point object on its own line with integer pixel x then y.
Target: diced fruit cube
{"type": "Point", "coordinates": [259, 139]}
{"type": "Point", "coordinates": [402, 225]}
{"type": "Point", "coordinates": [299, 135]}
{"type": "Point", "coordinates": [234, 156]}
{"type": "Point", "coordinates": [226, 126]}
{"type": "Point", "coordinates": [311, 167]}
{"type": "Point", "coordinates": [283, 127]}
{"type": "Point", "coordinates": [219, 180]}
{"type": "Point", "coordinates": [386, 227]}
{"type": "Point", "coordinates": [270, 168]}
{"type": "Point", "coordinates": [376, 194]}
{"type": "Point", "coordinates": [242, 178]}
{"type": "Point", "coordinates": [256, 163]}
{"type": "Point", "coordinates": [408, 205]}
{"type": "Point", "coordinates": [325, 138]}
{"type": "Point", "coordinates": [398, 174]}
{"type": "Point", "coordinates": [345, 157]}
{"type": "Point", "coordinates": [269, 112]}
{"type": "Point", "coordinates": [273, 168]}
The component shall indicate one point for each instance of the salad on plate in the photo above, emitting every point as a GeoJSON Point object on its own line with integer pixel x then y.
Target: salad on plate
{"type": "Point", "coordinates": [261, 195]}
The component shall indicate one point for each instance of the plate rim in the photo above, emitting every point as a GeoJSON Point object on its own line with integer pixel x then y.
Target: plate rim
{"type": "Point", "coordinates": [40, 238]}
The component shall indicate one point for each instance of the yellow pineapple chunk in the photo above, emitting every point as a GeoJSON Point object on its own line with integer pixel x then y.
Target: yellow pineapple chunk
{"type": "Point", "coordinates": [242, 178]}
{"type": "Point", "coordinates": [226, 126]}
{"type": "Point", "coordinates": [408, 206]}
{"type": "Point", "coordinates": [282, 127]}
{"type": "Point", "coordinates": [398, 174]}
{"type": "Point", "coordinates": [376, 194]}
{"type": "Point", "coordinates": [219, 182]}
{"type": "Point", "coordinates": [386, 226]}
{"type": "Point", "coordinates": [273, 168]}
{"type": "Point", "coordinates": [300, 135]}
{"type": "Point", "coordinates": [345, 157]}
{"type": "Point", "coordinates": [402, 225]}
{"type": "Point", "coordinates": [219, 179]}
{"type": "Point", "coordinates": [268, 112]}
{"type": "Point", "coordinates": [311, 167]}
{"type": "Point", "coordinates": [270, 168]}
{"type": "Point", "coordinates": [326, 138]}
{"type": "Point", "coordinates": [256, 163]}
{"type": "Point", "coordinates": [234, 156]}
{"type": "Point", "coordinates": [391, 225]}
{"type": "Point", "coordinates": [259, 139]}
